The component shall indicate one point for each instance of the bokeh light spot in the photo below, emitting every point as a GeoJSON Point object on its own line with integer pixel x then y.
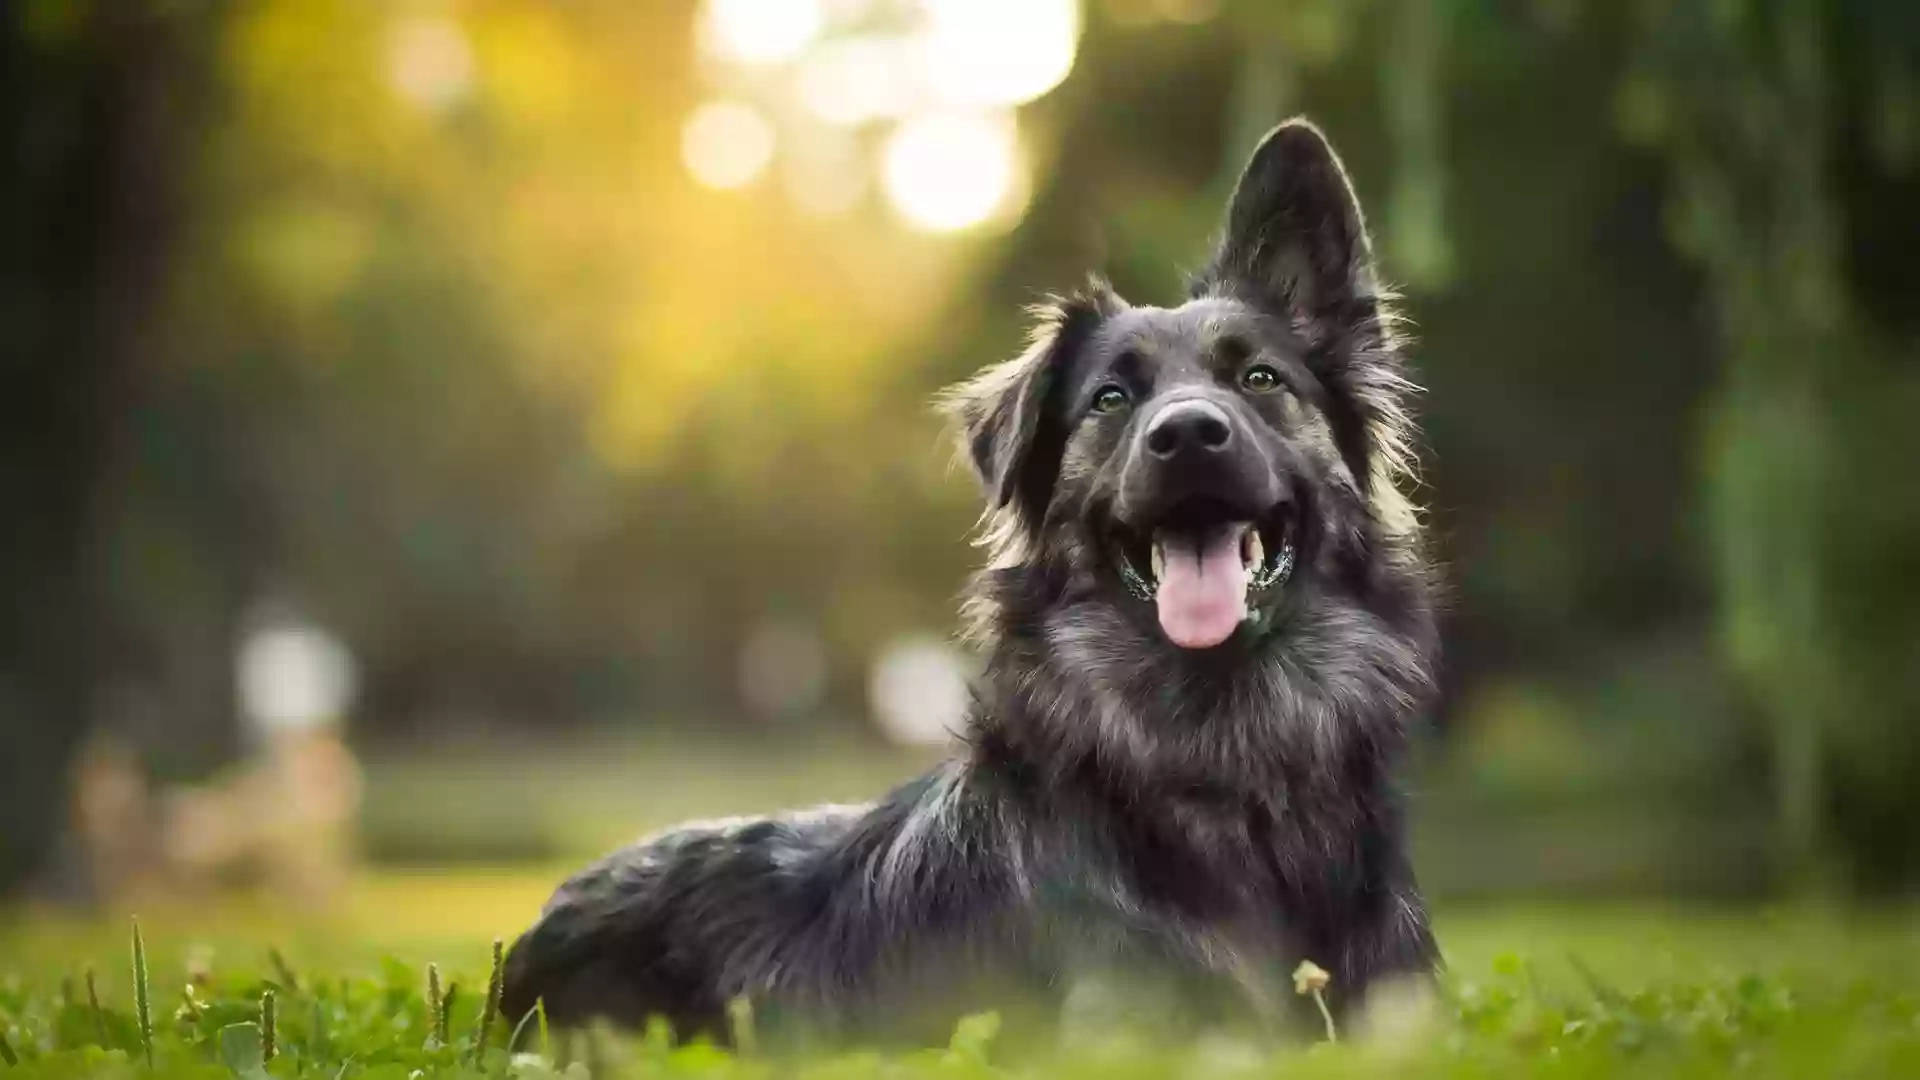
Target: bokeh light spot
{"type": "Point", "coordinates": [726, 144]}
{"type": "Point", "coordinates": [858, 80]}
{"type": "Point", "coordinates": [950, 170]}
{"type": "Point", "coordinates": [759, 31]}
{"type": "Point", "coordinates": [827, 176]}
{"type": "Point", "coordinates": [919, 691]}
{"type": "Point", "coordinates": [998, 52]}
{"type": "Point", "coordinates": [429, 62]}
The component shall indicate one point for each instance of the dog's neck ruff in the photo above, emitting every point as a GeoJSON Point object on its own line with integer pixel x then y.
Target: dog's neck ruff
{"type": "Point", "coordinates": [1273, 574]}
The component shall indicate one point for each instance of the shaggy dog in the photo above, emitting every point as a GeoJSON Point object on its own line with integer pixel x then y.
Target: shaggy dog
{"type": "Point", "coordinates": [1206, 626]}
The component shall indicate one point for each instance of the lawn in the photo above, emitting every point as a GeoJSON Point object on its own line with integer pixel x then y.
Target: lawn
{"type": "Point", "coordinates": [1601, 991]}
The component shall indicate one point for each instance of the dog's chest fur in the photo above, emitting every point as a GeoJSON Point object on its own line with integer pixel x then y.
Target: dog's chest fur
{"type": "Point", "coordinates": [1227, 823]}
{"type": "Point", "coordinates": [1206, 890]}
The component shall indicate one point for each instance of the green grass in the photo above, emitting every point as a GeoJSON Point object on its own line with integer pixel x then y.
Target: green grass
{"type": "Point", "coordinates": [245, 992]}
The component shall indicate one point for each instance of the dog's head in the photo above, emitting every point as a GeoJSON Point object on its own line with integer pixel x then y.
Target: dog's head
{"type": "Point", "coordinates": [1196, 462]}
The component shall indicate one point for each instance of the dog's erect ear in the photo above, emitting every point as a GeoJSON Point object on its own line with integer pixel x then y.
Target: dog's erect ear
{"type": "Point", "coordinates": [1296, 245]}
{"type": "Point", "coordinates": [1295, 237]}
{"type": "Point", "coordinates": [1005, 413]}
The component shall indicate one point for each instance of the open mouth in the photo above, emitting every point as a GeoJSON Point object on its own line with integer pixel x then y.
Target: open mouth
{"type": "Point", "coordinates": [1202, 564]}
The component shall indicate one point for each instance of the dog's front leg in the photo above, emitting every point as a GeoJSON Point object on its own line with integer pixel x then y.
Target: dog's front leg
{"type": "Point", "coordinates": [1383, 978]}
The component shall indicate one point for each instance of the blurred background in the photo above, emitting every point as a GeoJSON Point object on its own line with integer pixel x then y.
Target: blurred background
{"type": "Point", "coordinates": [445, 437]}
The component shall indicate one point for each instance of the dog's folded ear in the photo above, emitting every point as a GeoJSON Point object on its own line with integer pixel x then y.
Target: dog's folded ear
{"type": "Point", "coordinates": [1006, 414]}
{"type": "Point", "coordinates": [1295, 238]}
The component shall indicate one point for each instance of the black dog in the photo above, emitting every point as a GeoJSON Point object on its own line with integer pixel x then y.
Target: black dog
{"type": "Point", "coordinates": [1206, 626]}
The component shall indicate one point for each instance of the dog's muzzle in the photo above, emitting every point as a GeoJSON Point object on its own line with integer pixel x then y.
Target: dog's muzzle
{"type": "Point", "coordinates": [1204, 506]}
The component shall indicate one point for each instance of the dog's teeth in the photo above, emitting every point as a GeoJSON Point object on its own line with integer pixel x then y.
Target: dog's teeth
{"type": "Point", "coordinates": [1159, 561]}
{"type": "Point", "coordinates": [1256, 554]}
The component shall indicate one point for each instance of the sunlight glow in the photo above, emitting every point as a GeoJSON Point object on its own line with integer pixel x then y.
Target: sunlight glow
{"type": "Point", "coordinates": [857, 80]}
{"type": "Point", "coordinates": [429, 62]}
{"type": "Point", "coordinates": [826, 176]}
{"type": "Point", "coordinates": [759, 31]}
{"type": "Point", "coordinates": [945, 171]}
{"type": "Point", "coordinates": [932, 84]}
{"type": "Point", "coordinates": [998, 52]}
{"type": "Point", "coordinates": [726, 144]}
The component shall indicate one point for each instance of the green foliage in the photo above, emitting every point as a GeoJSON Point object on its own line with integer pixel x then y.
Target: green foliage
{"type": "Point", "coordinates": [242, 1049]}
{"type": "Point", "coordinates": [1756, 110]}
{"type": "Point", "coordinates": [1758, 1010]}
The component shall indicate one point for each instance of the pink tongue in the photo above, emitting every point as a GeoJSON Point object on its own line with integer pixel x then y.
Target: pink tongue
{"type": "Point", "coordinates": [1203, 588]}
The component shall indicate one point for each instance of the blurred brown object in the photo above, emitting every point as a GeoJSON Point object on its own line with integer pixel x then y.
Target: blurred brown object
{"type": "Point", "coordinates": [112, 816]}
{"type": "Point", "coordinates": [283, 819]}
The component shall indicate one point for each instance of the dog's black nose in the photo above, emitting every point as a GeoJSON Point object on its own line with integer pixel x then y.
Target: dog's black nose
{"type": "Point", "coordinates": [1188, 427]}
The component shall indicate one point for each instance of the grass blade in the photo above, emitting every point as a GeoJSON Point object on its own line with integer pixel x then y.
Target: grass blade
{"type": "Point", "coordinates": [1598, 987]}
{"type": "Point", "coordinates": [99, 1014]}
{"type": "Point", "coordinates": [492, 1007]}
{"type": "Point", "coordinates": [142, 998]}
{"type": "Point", "coordinates": [436, 1006]}
{"type": "Point", "coordinates": [6, 1049]}
{"type": "Point", "coordinates": [443, 1024]}
{"type": "Point", "coordinates": [283, 971]}
{"type": "Point", "coordinates": [320, 1041]}
{"type": "Point", "coordinates": [269, 1039]}
{"type": "Point", "coordinates": [519, 1029]}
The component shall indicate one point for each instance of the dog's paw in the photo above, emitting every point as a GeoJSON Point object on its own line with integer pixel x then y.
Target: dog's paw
{"type": "Point", "coordinates": [1399, 1011]}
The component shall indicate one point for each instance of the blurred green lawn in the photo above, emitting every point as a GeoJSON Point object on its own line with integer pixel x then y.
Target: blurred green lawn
{"type": "Point", "coordinates": [499, 801]}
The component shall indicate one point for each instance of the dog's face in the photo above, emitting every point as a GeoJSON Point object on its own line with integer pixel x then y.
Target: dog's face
{"type": "Point", "coordinates": [1193, 463]}
{"type": "Point", "coordinates": [1195, 439]}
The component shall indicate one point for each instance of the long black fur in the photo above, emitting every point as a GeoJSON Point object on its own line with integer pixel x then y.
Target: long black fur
{"type": "Point", "coordinates": [1123, 806]}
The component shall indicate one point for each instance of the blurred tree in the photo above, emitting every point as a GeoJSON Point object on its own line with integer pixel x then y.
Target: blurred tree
{"type": "Point", "coordinates": [457, 354]}
{"type": "Point", "coordinates": [99, 106]}
{"type": "Point", "coordinates": [1793, 130]}
{"type": "Point", "coordinates": [483, 402]}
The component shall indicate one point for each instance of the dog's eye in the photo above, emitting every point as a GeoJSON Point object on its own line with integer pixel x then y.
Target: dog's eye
{"type": "Point", "coordinates": [1110, 399]}
{"type": "Point", "coordinates": [1261, 379]}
